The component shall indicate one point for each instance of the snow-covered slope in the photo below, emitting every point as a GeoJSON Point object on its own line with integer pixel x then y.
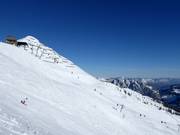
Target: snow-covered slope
{"type": "Point", "coordinates": [40, 95]}
{"type": "Point", "coordinates": [164, 90]}
{"type": "Point", "coordinates": [138, 85]}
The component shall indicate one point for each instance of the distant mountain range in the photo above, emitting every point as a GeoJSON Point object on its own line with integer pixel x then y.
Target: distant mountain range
{"type": "Point", "coordinates": [165, 90]}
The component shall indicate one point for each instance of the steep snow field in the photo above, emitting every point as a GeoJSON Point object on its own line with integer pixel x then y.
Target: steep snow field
{"type": "Point", "coordinates": [61, 99]}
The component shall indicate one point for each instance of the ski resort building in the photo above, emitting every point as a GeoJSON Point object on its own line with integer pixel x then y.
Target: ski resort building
{"type": "Point", "coordinates": [11, 40]}
{"type": "Point", "coordinates": [22, 43]}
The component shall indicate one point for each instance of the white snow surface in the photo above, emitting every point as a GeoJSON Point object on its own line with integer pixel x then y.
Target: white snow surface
{"type": "Point", "coordinates": [62, 99]}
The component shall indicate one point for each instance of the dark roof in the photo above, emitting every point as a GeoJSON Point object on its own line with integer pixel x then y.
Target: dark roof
{"type": "Point", "coordinates": [11, 38]}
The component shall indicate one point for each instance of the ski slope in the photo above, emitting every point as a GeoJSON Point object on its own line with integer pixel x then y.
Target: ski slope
{"type": "Point", "coordinates": [62, 99]}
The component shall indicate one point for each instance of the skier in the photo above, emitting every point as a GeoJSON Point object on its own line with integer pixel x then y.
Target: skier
{"type": "Point", "coordinates": [24, 101]}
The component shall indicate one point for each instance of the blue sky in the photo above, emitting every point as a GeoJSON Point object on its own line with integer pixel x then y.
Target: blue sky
{"type": "Point", "coordinates": [105, 38]}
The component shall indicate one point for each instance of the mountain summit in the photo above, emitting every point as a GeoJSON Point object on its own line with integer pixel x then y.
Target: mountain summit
{"type": "Point", "coordinates": [44, 93]}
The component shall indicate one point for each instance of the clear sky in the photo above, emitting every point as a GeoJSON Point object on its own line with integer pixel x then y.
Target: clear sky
{"type": "Point", "coordinates": [104, 37]}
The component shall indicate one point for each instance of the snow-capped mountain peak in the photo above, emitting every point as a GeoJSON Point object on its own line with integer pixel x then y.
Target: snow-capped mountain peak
{"type": "Point", "coordinates": [31, 40]}
{"type": "Point", "coordinates": [43, 96]}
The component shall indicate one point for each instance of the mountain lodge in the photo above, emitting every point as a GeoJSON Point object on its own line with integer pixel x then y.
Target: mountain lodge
{"type": "Point", "coordinates": [11, 40]}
